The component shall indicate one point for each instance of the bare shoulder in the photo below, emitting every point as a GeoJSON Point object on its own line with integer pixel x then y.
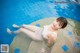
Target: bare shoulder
{"type": "Point", "coordinates": [54, 36]}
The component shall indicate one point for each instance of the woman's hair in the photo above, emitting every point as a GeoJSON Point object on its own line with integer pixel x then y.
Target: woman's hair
{"type": "Point", "coordinates": [63, 21]}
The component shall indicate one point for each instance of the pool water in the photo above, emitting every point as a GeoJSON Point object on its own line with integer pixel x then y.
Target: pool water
{"type": "Point", "coordinates": [28, 11]}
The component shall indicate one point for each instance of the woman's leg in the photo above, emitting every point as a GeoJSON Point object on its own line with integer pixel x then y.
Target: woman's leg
{"type": "Point", "coordinates": [27, 32]}
{"type": "Point", "coordinates": [30, 27]}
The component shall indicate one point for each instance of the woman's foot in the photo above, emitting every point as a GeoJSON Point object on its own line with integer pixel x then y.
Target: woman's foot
{"type": "Point", "coordinates": [15, 26]}
{"type": "Point", "coordinates": [9, 31]}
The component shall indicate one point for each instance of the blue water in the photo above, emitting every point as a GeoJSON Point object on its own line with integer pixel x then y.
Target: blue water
{"type": "Point", "coordinates": [28, 11]}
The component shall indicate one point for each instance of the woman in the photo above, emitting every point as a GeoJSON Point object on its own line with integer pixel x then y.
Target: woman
{"type": "Point", "coordinates": [48, 33]}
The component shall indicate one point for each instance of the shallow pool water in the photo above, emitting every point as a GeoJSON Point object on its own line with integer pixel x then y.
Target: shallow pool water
{"type": "Point", "coordinates": [28, 11]}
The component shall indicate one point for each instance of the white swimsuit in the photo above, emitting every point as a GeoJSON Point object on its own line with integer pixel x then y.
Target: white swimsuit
{"type": "Point", "coordinates": [43, 32]}
{"type": "Point", "coordinates": [46, 32]}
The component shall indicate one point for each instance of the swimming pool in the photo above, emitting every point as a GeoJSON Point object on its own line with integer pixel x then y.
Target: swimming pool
{"type": "Point", "coordinates": [28, 11]}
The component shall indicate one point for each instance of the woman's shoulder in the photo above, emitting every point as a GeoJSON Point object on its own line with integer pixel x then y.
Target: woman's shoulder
{"type": "Point", "coordinates": [54, 34]}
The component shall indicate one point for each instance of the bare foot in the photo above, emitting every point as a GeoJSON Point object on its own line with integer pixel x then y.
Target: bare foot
{"type": "Point", "coordinates": [9, 31]}
{"type": "Point", "coordinates": [15, 26]}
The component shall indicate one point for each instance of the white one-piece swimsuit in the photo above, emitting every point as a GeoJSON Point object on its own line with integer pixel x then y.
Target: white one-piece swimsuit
{"type": "Point", "coordinates": [43, 32]}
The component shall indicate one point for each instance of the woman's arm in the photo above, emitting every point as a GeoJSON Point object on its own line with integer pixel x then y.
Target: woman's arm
{"type": "Point", "coordinates": [51, 39]}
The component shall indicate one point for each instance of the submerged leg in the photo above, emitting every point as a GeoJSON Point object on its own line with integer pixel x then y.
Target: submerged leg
{"type": "Point", "coordinates": [30, 27]}
{"type": "Point", "coordinates": [13, 32]}
{"type": "Point", "coordinates": [28, 33]}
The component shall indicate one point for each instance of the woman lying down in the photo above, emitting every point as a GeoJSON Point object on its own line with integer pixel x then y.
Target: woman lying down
{"type": "Point", "coordinates": [48, 33]}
